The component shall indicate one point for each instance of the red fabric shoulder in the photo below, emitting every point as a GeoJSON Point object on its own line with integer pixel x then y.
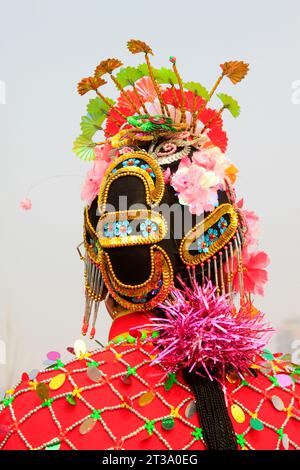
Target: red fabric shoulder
{"type": "Point", "coordinates": [114, 399]}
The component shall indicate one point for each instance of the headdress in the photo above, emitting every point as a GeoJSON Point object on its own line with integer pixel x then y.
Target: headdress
{"type": "Point", "coordinates": [163, 144]}
{"type": "Point", "coordinates": [164, 153]}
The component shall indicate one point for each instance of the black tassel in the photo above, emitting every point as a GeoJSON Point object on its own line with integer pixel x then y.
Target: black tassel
{"type": "Point", "coordinates": [218, 432]}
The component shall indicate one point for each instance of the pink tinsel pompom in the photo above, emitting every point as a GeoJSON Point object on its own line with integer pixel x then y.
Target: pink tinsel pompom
{"type": "Point", "coordinates": [26, 204]}
{"type": "Point", "coordinates": [200, 330]}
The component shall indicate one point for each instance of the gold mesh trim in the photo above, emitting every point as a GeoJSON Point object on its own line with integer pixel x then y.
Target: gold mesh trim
{"type": "Point", "coordinates": [201, 228]}
{"type": "Point", "coordinates": [130, 240]}
{"type": "Point", "coordinates": [154, 189]}
{"type": "Point", "coordinates": [165, 273]}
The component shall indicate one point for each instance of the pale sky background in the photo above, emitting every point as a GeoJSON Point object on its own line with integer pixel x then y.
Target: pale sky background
{"type": "Point", "coordinates": [46, 47]}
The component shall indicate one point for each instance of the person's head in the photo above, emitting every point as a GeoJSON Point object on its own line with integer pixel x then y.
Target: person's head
{"type": "Point", "coordinates": [162, 219]}
{"type": "Point", "coordinates": [160, 197]}
{"type": "Point", "coordinates": [143, 234]}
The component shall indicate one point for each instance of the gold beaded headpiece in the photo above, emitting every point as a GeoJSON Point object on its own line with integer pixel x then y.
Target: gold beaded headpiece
{"type": "Point", "coordinates": [162, 133]}
{"type": "Point", "coordinates": [152, 103]}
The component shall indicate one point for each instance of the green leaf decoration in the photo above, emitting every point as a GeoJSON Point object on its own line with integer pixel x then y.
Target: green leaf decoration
{"type": "Point", "coordinates": [230, 103]}
{"type": "Point", "coordinates": [89, 126]}
{"type": "Point", "coordinates": [83, 147]}
{"type": "Point", "coordinates": [143, 68]}
{"type": "Point", "coordinates": [165, 76]}
{"type": "Point", "coordinates": [128, 76]}
{"type": "Point", "coordinates": [97, 112]}
{"type": "Point", "coordinates": [198, 89]}
{"type": "Point", "coordinates": [97, 105]}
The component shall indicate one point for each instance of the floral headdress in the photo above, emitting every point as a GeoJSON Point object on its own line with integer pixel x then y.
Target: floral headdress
{"type": "Point", "coordinates": [156, 107]}
{"type": "Point", "coordinates": [157, 120]}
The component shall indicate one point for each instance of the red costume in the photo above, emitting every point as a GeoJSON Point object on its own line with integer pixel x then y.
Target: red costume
{"type": "Point", "coordinates": [134, 406]}
{"type": "Point", "coordinates": [186, 365]}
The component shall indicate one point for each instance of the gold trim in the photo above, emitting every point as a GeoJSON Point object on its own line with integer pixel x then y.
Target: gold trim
{"type": "Point", "coordinates": [135, 171]}
{"type": "Point", "coordinates": [201, 228]}
{"type": "Point", "coordinates": [129, 240]}
{"type": "Point", "coordinates": [166, 273]}
{"type": "Point", "coordinates": [135, 289]}
{"type": "Point", "coordinates": [88, 224]}
{"type": "Point", "coordinates": [87, 228]}
{"type": "Point", "coordinates": [154, 189]}
{"type": "Point", "coordinates": [129, 137]}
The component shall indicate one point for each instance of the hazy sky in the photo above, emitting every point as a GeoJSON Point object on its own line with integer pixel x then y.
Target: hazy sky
{"type": "Point", "coordinates": [46, 47]}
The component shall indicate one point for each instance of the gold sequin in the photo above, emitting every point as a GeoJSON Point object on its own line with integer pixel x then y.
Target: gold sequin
{"type": "Point", "coordinates": [237, 413]}
{"type": "Point", "coordinates": [57, 381]}
{"type": "Point", "coordinates": [146, 398]}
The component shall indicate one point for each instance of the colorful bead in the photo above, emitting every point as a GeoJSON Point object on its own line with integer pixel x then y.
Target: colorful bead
{"type": "Point", "coordinates": [150, 426]}
{"type": "Point", "coordinates": [109, 230]}
{"type": "Point", "coordinates": [131, 370]}
{"type": "Point", "coordinates": [96, 414]}
{"type": "Point", "coordinates": [148, 169]}
{"type": "Point", "coordinates": [122, 228]}
{"type": "Point", "coordinates": [47, 402]}
{"type": "Point", "coordinates": [222, 224]}
{"type": "Point", "coordinates": [126, 379]}
{"type": "Point", "coordinates": [212, 235]}
{"type": "Point", "coordinates": [168, 423]}
{"type": "Point", "coordinates": [59, 364]}
{"type": "Point", "coordinates": [203, 244]}
{"type": "Point", "coordinates": [197, 434]}
{"type": "Point", "coordinates": [134, 162]}
{"type": "Point", "coordinates": [148, 228]}
{"type": "Point", "coordinates": [240, 439]}
{"type": "Point", "coordinates": [131, 162]}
